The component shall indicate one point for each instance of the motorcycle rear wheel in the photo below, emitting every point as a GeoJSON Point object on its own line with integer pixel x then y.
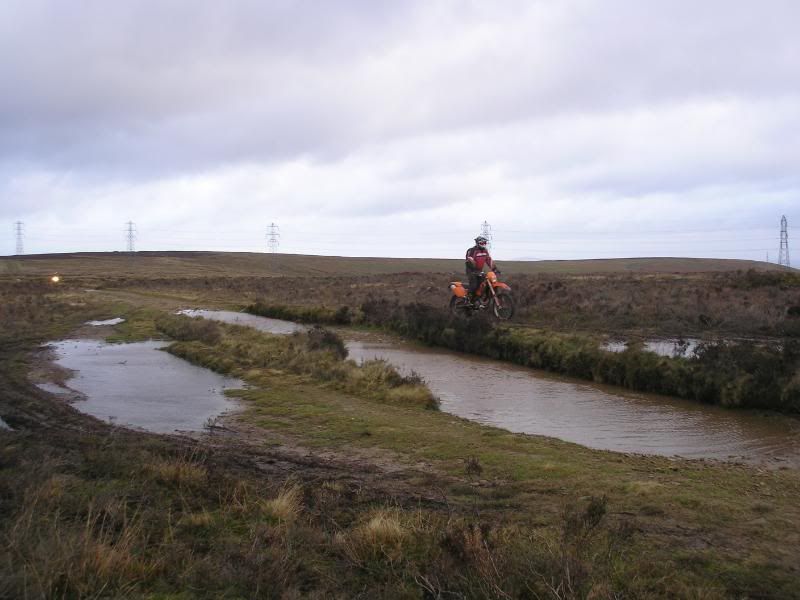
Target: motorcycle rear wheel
{"type": "Point", "coordinates": [503, 305]}
{"type": "Point", "coordinates": [460, 307]}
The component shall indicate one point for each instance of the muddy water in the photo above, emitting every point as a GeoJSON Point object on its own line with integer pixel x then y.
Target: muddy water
{"type": "Point", "coordinates": [604, 417]}
{"type": "Point", "coordinates": [136, 385]}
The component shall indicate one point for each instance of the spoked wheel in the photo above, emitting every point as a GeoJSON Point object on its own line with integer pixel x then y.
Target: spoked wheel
{"type": "Point", "coordinates": [460, 307]}
{"type": "Point", "coordinates": [503, 305]}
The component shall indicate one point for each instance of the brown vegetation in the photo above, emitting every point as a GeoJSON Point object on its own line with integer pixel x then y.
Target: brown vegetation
{"type": "Point", "coordinates": [93, 510]}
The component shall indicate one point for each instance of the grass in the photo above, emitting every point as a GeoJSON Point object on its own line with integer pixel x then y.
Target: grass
{"type": "Point", "coordinates": [340, 492]}
{"type": "Point", "coordinates": [102, 265]}
{"type": "Point", "coordinates": [318, 355]}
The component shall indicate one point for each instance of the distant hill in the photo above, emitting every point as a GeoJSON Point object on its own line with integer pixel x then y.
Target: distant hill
{"type": "Point", "coordinates": [199, 264]}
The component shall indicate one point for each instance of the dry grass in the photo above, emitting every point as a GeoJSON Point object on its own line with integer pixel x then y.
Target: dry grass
{"type": "Point", "coordinates": [381, 536]}
{"type": "Point", "coordinates": [287, 506]}
{"type": "Point", "coordinates": [180, 471]}
{"type": "Point", "coordinates": [137, 515]}
{"type": "Point", "coordinates": [102, 555]}
{"type": "Point", "coordinates": [205, 264]}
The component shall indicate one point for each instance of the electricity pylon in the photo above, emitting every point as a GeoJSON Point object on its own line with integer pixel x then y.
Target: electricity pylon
{"type": "Point", "coordinates": [486, 231]}
{"type": "Point", "coordinates": [19, 225]}
{"type": "Point", "coordinates": [273, 236]}
{"type": "Point", "coordinates": [783, 254]}
{"type": "Point", "coordinates": [131, 232]}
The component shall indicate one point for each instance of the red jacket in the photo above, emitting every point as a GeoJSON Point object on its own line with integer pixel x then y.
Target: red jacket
{"type": "Point", "coordinates": [477, 257]}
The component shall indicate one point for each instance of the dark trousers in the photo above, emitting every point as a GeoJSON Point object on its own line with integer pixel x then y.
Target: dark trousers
{"type": "Point", "coordinates": [475, 279]}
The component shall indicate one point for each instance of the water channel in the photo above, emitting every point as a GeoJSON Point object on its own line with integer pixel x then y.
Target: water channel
{"type": "Point", "coordinates": [535, 402]}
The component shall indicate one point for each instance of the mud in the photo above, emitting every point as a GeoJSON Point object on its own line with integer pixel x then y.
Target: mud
{"type": "Point", "coordinates": [136, 385]}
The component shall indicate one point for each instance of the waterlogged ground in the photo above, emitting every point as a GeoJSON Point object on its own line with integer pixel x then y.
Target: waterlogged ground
{"type": "Point", "coordinates": [603, 417]}
{"type": "Point", "coordinates": [137, 385]}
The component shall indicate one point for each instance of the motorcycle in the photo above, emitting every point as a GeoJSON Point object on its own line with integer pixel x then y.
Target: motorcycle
{"type": "Point", "coordinates": [491, 293]}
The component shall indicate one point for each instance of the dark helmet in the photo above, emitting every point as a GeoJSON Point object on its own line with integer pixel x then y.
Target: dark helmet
{"type": "Point", "coordinates": [481, 241]}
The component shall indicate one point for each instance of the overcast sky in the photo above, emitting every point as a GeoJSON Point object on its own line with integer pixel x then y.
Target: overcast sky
{"type": "Point", "coordinates": [575, 128]}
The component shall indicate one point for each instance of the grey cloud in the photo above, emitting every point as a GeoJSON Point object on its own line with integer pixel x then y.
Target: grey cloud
{"type": "Point", "coordinates": [160, 88]}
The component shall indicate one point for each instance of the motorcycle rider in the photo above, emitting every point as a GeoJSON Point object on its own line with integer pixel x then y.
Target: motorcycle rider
{"type": "Point", "coordinates": [478, 257]}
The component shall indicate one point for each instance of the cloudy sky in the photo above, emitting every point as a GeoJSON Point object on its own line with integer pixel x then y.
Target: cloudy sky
{"type": "Point", "coordinates": [575, 128]}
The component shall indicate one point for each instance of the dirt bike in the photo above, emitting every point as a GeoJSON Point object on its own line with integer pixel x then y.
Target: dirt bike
{"type": "Point", "coordinates": [491, 293]}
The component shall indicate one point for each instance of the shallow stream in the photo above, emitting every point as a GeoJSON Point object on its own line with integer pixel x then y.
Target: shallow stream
{"type": "Point", "coordinates": [604, 417]}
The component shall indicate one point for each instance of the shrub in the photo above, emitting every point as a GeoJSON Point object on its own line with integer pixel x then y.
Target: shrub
{"type": "Point", "coordinates": [318, 338]}
{"type": "Point", "coordinates": [187, 329]}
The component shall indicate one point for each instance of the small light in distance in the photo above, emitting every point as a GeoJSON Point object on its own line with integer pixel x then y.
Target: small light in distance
{"type": "Point", "coordinates": [55, 279]}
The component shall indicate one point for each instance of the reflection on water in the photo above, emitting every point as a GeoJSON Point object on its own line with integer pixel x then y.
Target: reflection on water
{"type": "Point", "coordinates": [136, 385]}
{"type": "Point", "coordinates": [663, 347]}
{"type": "Point", "coordinates": [238, 318]}
{"type": "Point", "coordinates": [604, 417]}
{"type": "Point", "coordinates": [115, 321]}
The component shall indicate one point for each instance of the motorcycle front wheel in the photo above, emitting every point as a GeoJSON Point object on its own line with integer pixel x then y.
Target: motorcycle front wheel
{"type": "Point", "coordinates": [503, 305]}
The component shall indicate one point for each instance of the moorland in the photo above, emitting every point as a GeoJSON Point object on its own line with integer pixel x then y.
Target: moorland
{"type": "Point", "coordinates": [344, 480]}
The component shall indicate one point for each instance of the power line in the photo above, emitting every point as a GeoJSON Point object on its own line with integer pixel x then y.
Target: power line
{"type": "Point", "coordinates": [272, 238]}
{"type": "Point", "coordinates": [783, 254]}
{"type": "Point", "coordinates": [19, 225]}
{"type": "Point", "coordinates": [131, 234]}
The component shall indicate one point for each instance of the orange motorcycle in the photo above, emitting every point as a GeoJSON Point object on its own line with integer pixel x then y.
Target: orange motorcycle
{"type": "Point", "coordinates": [491, 293]}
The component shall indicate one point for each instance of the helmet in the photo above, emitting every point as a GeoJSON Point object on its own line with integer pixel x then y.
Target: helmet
{"type": "Point", "coordinates": [481, 241]}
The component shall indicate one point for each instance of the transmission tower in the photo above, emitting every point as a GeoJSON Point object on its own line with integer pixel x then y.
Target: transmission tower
{"type": "Point", "coordinates": [131, 233]}
{"type": "Point", "coordinates": [783, 254]}
{"type": "Point", "coordinates": [18, 227]}
{"type": "Point", "coordinates": [486, 231]}
{"type": "Point", "coordinates": [272, 237]}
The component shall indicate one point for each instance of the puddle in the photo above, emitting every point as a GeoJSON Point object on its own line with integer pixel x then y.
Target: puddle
{"type": "Point", "coordinates": [137, 385]}
{"type": "Point", "coordinates": [265, 324]}
{"type": "Point", "coordinates": [524, 400]}
{"type": "Point", "coordinates": [115, 321]}
{"type": "Point", "coordinates": [662, 347]}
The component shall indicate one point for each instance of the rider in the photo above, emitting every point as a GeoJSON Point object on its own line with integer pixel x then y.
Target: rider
{"type": "Point", "coordinates": [477, 257]}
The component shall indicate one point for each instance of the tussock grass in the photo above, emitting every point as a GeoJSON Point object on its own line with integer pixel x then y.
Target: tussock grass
{"type": "Point", "coordinates": [188, 329]}
{"type": "Point", "coordinates": [286, 506]}
{"type": "Point", "coordinates": [181, 471]}
{"type": "Point", "coordinates": [318, 354]}
{"type": "Point", "coordinates": [380, 537]}
{"type": "Point", "coordinates": [84, 516]}
{"type": "Point", "coordinates": [309, 314]}
{"type": "Point", "coordinates": [62, 558]}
